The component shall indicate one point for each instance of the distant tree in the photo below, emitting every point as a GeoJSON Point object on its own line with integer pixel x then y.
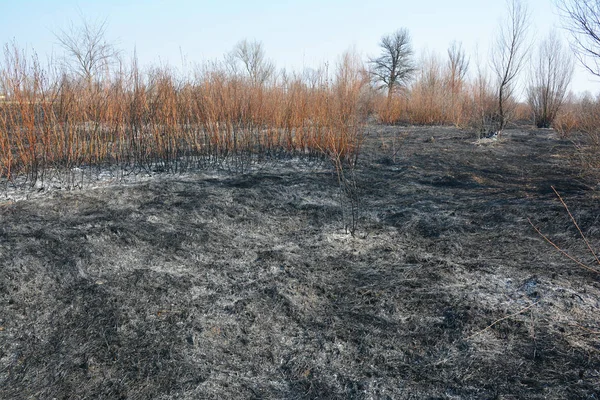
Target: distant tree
{"type": "Point", "coordinates": [87, 52]}
{"type": "Point", "coordinates": [582, 19]}
{"type": "Point", "coordinates": [252, 56]}
{"type": "Point", "coordinates": [508, 58]}
{"type": "Point", "coordinates": [457, 68]}
{"type": "Point", "coordinates": [458, 65]}
{"type": "Point", "coordinates": [551, 74]}
{"type": "Point", "coordinates": [394, 67]}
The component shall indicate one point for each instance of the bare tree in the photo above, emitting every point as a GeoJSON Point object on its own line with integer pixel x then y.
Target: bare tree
{"type": "Point", "coordinates": [88, 52]}
{"type": "Point", "coordinates": [457, 67]}
{"type": "Point", "coordinates": [394, 67]}
{"type": "Point", "coordinates": [582, 19]}
{"type": "Point", "coordinates": [508, 58]}
{"type": "Point", "coordinates": [550, 78]}
{"type": "Point", "coordinates": [252, 56]}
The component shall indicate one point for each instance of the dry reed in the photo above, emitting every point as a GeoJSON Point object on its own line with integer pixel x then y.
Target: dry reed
{"type": "Point", "coordinates": [154, 120]}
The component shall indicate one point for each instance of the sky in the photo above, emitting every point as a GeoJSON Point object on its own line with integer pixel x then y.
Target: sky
{"type": "Point", "coordinates": [295, 34]}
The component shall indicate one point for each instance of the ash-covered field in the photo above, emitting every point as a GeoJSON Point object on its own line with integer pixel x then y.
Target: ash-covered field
{"type": "Point", "coordinates": [220, 286]}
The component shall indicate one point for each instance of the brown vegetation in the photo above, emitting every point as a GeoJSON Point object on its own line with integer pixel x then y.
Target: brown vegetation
{"type": "Point", "coordinates": [90, 111]}
{"type": "Point", "coordinates": [580, 122]}
{"type": "Point", "coordinates": [441, 94]}
{"type": "Point", "coordinates": [51, 123]}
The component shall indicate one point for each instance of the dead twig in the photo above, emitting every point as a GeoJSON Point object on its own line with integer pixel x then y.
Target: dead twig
{"type": "Point", "coordinates": [570, 257]}
{"type": "Point", "coordinates": [521, 311]}
{"type": "Point", "coordinates": [588, 330]}
{"type": "Point", "coordinates": [563, 252]}
{"type": "Point", "coordinates": [576, 225]}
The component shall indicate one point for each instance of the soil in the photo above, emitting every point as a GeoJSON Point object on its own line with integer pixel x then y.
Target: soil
{"type": "Point", "coordinates": [224, 286]}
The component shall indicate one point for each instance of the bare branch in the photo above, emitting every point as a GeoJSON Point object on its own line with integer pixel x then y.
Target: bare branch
{"type": "Point", "coordinates": [582, 19]}
{"type": "Point", "coordinates": [87, 52]}
{"type": "Point", "coordinates": [253, 58]}
{"type": "Point", "coordinates": [458, 63]}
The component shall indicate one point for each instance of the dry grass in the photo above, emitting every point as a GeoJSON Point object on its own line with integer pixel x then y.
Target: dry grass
{"type": "Point", "coordinates": [579, 114]}
{"type": "Point", "coordinates": [579, 121]}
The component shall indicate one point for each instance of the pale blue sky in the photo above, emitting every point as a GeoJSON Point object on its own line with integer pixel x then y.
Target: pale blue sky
{"type": "Point", "coordinates": [295, 34]}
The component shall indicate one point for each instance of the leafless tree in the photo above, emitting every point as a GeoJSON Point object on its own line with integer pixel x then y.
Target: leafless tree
{"type": "Point", "coordinates": [313, 78]}
{"type": "Point", "coordinates": [394, 67]}
{"type": "Point", "coordinates": [550, 78]}
{"type": "Point", "coordinates": [458, 65]}
{"type": "Point", "coordinates": [582, 19]}
{"type": "Point", "coordinates": [252, 56]}
{"type": "Point", "coordinates": [508, 58]}
{"type": "Point", "coordinates": [87, 51]}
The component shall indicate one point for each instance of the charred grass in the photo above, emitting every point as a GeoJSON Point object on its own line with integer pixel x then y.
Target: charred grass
{"type": "Point", "coordinates": [246, 286]}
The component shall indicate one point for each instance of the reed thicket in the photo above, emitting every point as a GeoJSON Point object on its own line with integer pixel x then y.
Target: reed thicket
{"type": "Point", "coordinates": [441, 94]}
{"type": "Point", "coordinates": [129, 120]}
{"type": "Point", "coordinates": [52, 124]}
{"type": "Point", "coordinates": [579, 121]}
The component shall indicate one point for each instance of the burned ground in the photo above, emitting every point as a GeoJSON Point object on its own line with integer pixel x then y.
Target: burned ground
{"type": "Point", "coordinates": [247, 286]}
